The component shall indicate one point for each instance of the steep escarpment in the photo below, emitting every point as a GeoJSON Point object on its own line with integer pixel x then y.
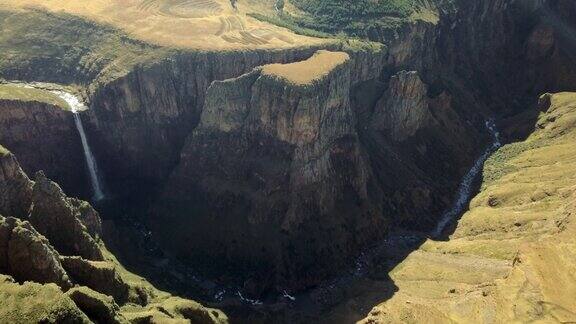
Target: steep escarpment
{"type": "Point", "coordinates": [16, 194]}
{"type": "Point", "coordinates": [55, 268]}
{"type": "Point", "coordinates": [508, 51]}
{"type": "Point", "coordinates": [46, 138]}
{"type": "Point", "coordinates": [405, 126]}
{"type": "Point", "coordinates": [278, 174]}
{"type": "Point", "coordinates": [139, 122]}
{"type": "Point", "coordinates": [269, 170]}
{"type": "Point", "coordinates": [307, 178]}
{"type": "Point", "coordinates": [511, 257]}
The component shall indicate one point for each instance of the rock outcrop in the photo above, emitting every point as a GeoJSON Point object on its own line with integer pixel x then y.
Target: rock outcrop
{"type": "Point", "coordinates": [98, 275]}
{"type": "Point", "coordinates": [28, 256]}
{"type": "Point", "coordinates": [32, 302]}
{"type": "Point", "coordinates": [276, 172]}
{"type": "Point", "coordinates": [403, 109]}
{"type": "Point", "coordinates": [58, 218]}
{"type": "Point", "coordinates": [47, 268]}
{"type": "Point", "coordinates": [97, 306]}
{"type": "Point", "coordinates": [15, 186]}
{"type": "Point", "coordinates": [414, 140]}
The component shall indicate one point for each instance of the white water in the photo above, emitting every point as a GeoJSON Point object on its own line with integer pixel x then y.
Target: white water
{"type": "Point", "coordinates": [76, 106]}
{"type": "Point", "coordinates": [465, 188]}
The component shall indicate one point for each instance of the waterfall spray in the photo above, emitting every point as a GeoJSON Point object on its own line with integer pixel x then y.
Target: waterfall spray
{"type": "Point", "coordinates": [76, 106]}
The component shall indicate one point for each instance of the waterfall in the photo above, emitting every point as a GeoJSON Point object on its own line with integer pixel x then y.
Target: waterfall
{"type": "Point", "coordinates": [465, 188]}
{"type": "Point", "coordinates": [76, 106]}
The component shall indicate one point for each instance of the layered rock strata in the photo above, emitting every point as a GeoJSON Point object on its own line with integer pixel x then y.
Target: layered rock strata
{"type": "Point", "coordinates": [45, 138]}
{"type": "Point", "coordinates": [276, 173]}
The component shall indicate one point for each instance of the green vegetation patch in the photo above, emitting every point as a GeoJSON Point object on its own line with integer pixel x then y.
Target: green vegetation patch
{"type": "Point", "coordinates": [354, 18]}
{"type": "Point", "coordinates": [36, 303]}
{"type": "Point", "coordinates": [25, 94]}
{"type": "Point", "coordinates": [3, 151]}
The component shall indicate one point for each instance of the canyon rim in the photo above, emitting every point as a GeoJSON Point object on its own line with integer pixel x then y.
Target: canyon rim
{"type": "Point", "coordinates": [295, 161]}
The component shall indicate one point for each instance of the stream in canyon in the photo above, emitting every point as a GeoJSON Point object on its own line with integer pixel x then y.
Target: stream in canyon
{"type": "Point", "coordinates": [176, 276]}
{"type": "Point", "coordinates": [465, 190]}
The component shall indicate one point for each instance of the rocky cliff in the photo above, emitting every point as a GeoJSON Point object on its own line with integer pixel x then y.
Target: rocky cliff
{"type": "Point", "coordinates": [53, 246]}
{"type": "Point", "coordinates": [269, 170]}
{"type": "Point", "coordinates": [508, 51]}
{"type": "Point", "coordinates": [139, 122]}
{"type": "Point", "coordinates": [45, 137]}
{"type": "Point", "coordinates": [292, 168]}
{"type": "Point", "coordinates": [407, 126]}
{"type": "Point", "coordinates": [16, 187]}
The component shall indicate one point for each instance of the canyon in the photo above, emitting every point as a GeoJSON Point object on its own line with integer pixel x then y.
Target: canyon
{"type": "Point", "coordinates": [285, 177]}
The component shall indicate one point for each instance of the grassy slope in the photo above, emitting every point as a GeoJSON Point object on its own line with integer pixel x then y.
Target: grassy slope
{"type": "Point", "coordinates": [61, 48]}
{"type": "Point", "coordinates": [309, 71]}
{"type": "Point", "coordinates": [13, 92]}
{"type": "Point", "coordinates": [35, 303]}
{"type": "Point", "coordinates": [513, 255]}
{"type": "Point", "coordinates": [178, 24]}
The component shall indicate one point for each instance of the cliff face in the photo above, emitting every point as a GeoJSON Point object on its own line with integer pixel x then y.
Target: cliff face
{"type": "Point", "coordinates": [51, 211]}
{"type": "Point", "coordinates": [276, 172]}
{"type": "Point", "coordinates": [46, 139]}
{"type": "Point", "coordinates": [509, 51]}
{"type": "Point", "coordinates": [27, 255]}
{"type": "Point", "coordinates": [403, 109]}
{"type": "Point", "coordinates": [139, 122]}
{"type": "Point", "coordinates": [55, 245]}
{"type": "Point", "coordinates": [414, 140]}
{"type": "Point", "coordinates": [15, 186]}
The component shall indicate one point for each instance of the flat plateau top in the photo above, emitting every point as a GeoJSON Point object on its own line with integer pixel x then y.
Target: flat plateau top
{"type": "Point", "coordinates": [28, 94]}
{"type": "Point", "coordinates": [308, 71]}
{"type": "Point", "coordinates": [196, 24]}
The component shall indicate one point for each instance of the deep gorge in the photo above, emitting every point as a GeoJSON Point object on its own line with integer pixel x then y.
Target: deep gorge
{"type": "Point", "coordinates": [284, 192]}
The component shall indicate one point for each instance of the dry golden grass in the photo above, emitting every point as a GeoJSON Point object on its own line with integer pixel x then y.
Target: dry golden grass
{"type": "Point", "coordinates": [512, 257]}
{"type": "Point", "coordinates": [197, 24]}
{"type": "Point", "coordinates": [308, 71]}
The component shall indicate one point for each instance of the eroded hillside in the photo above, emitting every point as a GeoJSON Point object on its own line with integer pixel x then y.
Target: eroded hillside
{"type": "Point", "coordinates": [56, 269]}
{"type": "Point", "coordinates": [511, 257]}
